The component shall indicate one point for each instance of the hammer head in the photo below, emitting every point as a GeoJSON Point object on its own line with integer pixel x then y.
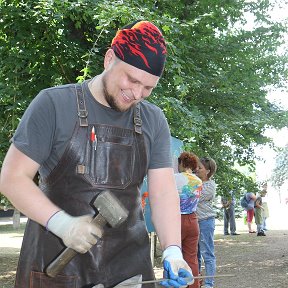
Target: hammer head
{"type": "Point", "coordinates": [110, 208]}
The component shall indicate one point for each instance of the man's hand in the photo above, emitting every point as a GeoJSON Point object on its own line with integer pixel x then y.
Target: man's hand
{"type": "Point", "coordinates": [176, 270]}
{"type": "Point", "coordinates": [77, 233]}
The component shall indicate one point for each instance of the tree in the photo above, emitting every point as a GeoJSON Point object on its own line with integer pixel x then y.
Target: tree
{"type": "Point", "coordinates": [214, 87]}
{"type": "Point", "coordinates": [280, 172]}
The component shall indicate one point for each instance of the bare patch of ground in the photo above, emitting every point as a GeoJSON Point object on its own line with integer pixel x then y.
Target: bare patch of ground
{"type": "Point", "coordinates": [254, 260]}
{"type": "Point", "coordinates": [10, 243]}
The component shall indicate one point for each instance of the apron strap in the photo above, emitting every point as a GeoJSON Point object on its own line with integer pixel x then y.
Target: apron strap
{"type": "Point", "coordinates": [137, 119]}
{"type": "Point", "coordinates": [81, 106]}
{"type": "Point", "coordinates": [83, 113]}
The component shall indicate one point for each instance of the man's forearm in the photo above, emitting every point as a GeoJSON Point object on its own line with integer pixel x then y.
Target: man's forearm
{"type": "Point", "coordinates": [16, 183]}
{"type": "Point", "coordinates": [166, 218]}
{"type": "Point", "coordinates": [29, 199]}
{"type": "Point", "coordinates": [165, 208]}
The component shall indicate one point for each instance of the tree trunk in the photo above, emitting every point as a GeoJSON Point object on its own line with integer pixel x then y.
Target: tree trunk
{"type": "Point", "coordinates": [16, 219]}
{"type": "Point", "coordinates": [279, 195]}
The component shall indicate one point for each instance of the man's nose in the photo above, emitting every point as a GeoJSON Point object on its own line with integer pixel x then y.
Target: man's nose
{"type": "Point", "coordinates": [138, 92]}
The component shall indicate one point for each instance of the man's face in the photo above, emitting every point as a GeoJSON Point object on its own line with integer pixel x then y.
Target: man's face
{"type": "Point", "coordinates": [263, 193]}
{"type": "Point", "coordinates": [125, 85]}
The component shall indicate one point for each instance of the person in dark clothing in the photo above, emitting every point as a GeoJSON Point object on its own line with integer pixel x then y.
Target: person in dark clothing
{"type": "Point", "coordinates": [228, 204]}
{"type": "Point", "coordinates": [87, 138]}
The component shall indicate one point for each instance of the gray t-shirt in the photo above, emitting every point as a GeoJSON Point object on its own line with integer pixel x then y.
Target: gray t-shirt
{"type": "Point", "coordinates": [48, 123]}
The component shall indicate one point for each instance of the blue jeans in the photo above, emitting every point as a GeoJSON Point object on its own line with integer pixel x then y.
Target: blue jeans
{"type": "Point", "coordinates": [206, 249]}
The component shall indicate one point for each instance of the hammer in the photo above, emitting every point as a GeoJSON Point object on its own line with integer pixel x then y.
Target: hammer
{"type": "Point", "coordinates": [110, 211]}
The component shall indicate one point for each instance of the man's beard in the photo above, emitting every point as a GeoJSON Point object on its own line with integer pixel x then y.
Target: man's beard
{"type": "Point", "coordinates": [111, 100]}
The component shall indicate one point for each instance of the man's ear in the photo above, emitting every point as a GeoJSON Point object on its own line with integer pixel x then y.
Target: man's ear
{"type": "Point", "coordinates": [109, 58]}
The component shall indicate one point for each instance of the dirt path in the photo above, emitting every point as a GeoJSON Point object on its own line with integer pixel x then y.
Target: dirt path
{"type": "Point", "coordinates": [255, 261]}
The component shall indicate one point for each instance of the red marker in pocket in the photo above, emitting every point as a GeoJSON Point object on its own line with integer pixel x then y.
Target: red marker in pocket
{"type": "Point", "coordinates": [93, 138]}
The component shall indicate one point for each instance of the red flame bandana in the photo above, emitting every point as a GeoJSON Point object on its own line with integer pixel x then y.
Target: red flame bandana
{"type": "Point", "coordinates": [141, 45]}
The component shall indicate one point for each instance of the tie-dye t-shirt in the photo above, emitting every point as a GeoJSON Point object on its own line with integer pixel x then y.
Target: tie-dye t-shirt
{"type": "Point", "coordinates": [189, 187]}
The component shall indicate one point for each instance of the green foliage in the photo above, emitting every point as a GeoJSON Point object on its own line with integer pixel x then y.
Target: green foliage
{"type": "Point", "coordinates": [280, 172]}
{"type": "Point", "coordinates": [215, 83]}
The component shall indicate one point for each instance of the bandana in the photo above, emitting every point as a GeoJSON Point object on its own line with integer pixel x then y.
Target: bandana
{"type": "Point", "coordinates": [141, 45]}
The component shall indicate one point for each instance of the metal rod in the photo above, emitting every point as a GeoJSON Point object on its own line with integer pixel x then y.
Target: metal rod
{"type": "Point", "coordinates": [163, 279]}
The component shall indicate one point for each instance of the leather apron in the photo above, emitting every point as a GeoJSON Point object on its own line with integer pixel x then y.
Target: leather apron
{"type": "Point", "coordinates": [119, 164]}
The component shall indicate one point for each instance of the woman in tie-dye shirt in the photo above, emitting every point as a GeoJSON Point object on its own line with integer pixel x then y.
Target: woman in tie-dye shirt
{"type": "Point", "coordinates": [189, 187]}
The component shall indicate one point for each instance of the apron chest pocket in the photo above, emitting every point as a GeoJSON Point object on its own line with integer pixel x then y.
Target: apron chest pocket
{"type": "Point", "coordinates": [110, 164]}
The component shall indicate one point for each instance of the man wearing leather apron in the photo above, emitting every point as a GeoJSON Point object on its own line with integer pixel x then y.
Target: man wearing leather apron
{"type": "Point", "coordinates": [87, 138]}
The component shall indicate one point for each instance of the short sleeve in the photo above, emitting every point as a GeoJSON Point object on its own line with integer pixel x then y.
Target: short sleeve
{"type": "Point", "coordinates": [34, 134]}
{"type": "Point", "coordinates": [180, 181]}
{"type": "Point", "coordinates": [161, 156]}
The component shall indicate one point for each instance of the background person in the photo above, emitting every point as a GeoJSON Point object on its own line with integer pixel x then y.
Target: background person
{"type": "Point", "coordinates": [206, 219]}
{"type": "Point", "coordinates": [265, 212]}
{"type": "Point", "coordinates": [228, 204]}
{"type": "Point", "coordinates": [86, 138]}
{"type": "Point", "coordinates": [250, 198]}
{"type": "Point", "coordinates": [189, 187]}
{"type": "Point", "coordinates": [258, 213]}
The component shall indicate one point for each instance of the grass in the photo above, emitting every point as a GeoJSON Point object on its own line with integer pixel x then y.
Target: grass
{"type": "Point", "coordinates": [8, 228]}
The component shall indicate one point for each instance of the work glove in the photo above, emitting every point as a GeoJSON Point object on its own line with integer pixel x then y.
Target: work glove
{"type": "Point", "coordinates": [77, 233]}
{"type": "Point", "coordinates": [176, 270]}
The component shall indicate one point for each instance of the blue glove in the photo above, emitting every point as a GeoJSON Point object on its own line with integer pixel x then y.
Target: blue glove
{"type": "Point", "coordinates": [176, 270]}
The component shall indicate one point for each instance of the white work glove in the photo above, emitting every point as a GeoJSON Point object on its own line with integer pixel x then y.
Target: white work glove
{"type": "Point", "coordinates": [176, 270]}
{"type": "Point", "coordinates": [77, 233]}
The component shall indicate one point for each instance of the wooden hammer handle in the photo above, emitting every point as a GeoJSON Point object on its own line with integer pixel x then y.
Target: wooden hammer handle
{"type": "Point", "coordinates": [58, 264]}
